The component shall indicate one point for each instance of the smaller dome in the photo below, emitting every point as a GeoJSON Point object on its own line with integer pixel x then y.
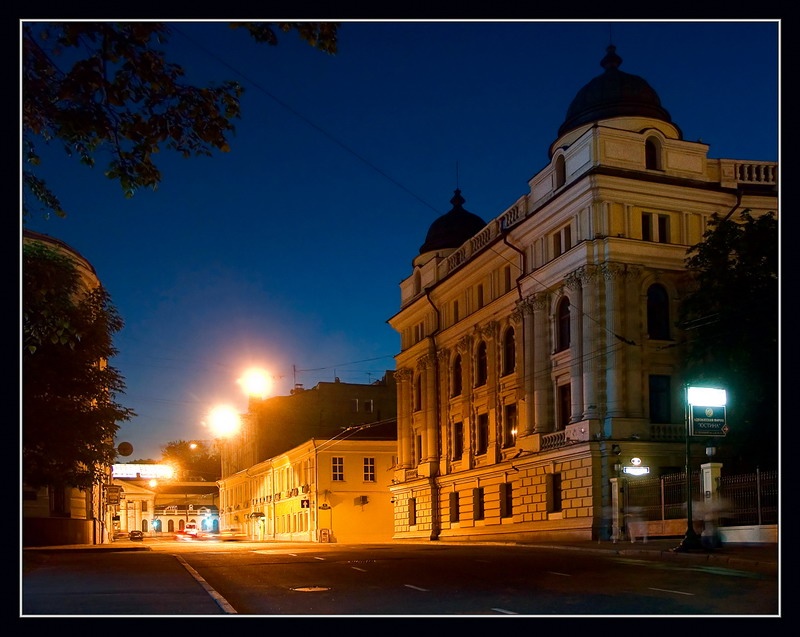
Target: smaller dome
{"type": "Point", "coordinates": [613, 94]}
{"type": "Point", "coordinates": [453, 228]}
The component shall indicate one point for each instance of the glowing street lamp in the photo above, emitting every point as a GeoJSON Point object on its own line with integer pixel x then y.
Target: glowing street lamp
{"type": "Point", "coordinates": [256, 383]}
{"type": "Point", "coordinates": [707, 398]}
{"type": "Point", "coordinates": [224, 421]}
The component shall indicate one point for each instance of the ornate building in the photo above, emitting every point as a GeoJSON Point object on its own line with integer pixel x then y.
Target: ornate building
{"type": "Point", "coordinates": [538, 350]}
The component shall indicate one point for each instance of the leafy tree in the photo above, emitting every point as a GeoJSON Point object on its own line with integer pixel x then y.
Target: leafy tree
{"type": "Point", "coordinates": [731, 318]}
{"type": "Point", "coordinates": [69, 413]}
{"type": "Point", "coordinates": [108, 87]}
{"type": "Point", "coordinates": [192, 458]}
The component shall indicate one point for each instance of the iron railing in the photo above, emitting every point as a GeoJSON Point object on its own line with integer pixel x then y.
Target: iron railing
{"type": "Point", "coordinates": [750, 498]}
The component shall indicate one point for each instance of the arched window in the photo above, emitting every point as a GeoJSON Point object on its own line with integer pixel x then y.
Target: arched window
{"type": "Point", "coordinates": [658, 312]}
{"type": "Point", "coordinates": [456, 376]}
{"type": "Point", "coordinates": [562, 328]}
{"type": "Point", "coordinates": [481, 365]}
{"type": "Point", "coordinates": [509, 351]}
{"type": "Point", "coordinates": [652, 154]}
{"type": "Point", "coordinates": [561, 171]}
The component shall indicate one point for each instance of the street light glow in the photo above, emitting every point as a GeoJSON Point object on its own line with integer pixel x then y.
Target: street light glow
{"type": "Point", "coordinates": [224, 421]}
{"type": "Point", "coordinates": [256, 383]}
{"type": "Point", "coordinates": [706, 396]}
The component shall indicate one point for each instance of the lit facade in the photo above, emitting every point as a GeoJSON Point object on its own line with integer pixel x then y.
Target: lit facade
{"type": "Point", "coordinates": [538, 351]}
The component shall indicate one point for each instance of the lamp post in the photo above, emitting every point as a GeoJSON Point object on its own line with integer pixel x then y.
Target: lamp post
{"type": "Point", "coordinates": [708, 398]}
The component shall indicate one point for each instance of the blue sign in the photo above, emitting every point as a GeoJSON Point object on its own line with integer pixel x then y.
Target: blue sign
{"type": "Point", "coordinates": [707, 421]}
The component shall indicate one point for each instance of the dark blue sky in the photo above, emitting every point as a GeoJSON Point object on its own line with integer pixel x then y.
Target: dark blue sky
{"type": "Point", "coordinates": [287, 252]}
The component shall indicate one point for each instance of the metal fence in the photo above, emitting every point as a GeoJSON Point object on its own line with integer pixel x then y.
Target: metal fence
{"type": "Point", "coordinates": [750, 498]}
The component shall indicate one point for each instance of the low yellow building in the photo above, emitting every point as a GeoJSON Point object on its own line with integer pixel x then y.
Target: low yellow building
{"type": "Point", "coordinates": [323, 490]}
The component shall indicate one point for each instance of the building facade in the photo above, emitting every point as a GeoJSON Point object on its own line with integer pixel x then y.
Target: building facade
{"type": "Point", "coordinates": [538, 351]}
{"type": "Point", "coordinates": [323, 490]}
{"type": "Point", "coordinates": [65, 515]}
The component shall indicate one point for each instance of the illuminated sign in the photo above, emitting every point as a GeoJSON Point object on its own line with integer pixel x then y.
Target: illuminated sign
{"type": "Point", "coordinates": [636, 471]}
{"type": "Point", "coordinates": [707, 421]}
{"type": "Point", "coordinates": [143, 471]}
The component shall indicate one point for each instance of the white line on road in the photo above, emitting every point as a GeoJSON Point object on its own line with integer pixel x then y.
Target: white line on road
{"type": "Point", "coordinates": [416, 588]}
{"type": "Point", "coordinates": [219, 599]}
{"type": "Point", "coordinates": [504, 611]}
{"type": "Point", "coordinates": [322, 559]}
{"type": "Point", "coordinates": [557, 573]}
{"type": "Point", "coordinates": [667, 590]}
{"type": "Point", "coordinates": [355, 568]}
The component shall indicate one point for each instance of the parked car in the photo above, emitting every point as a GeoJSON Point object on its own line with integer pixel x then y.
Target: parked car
{"type": "Point", "coordinates": [136, 535]}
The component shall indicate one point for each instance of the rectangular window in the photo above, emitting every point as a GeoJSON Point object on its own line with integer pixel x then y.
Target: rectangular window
{"type": "Point", "coordinates": [455, 312]}
{"type": "Point", "coordinates": [354, 405]}
{"type": "Point", "coordinates": [419, 332]}
{"type": "Point", "coordinates": [564, 406]}
{"type": "Point", "coordinates": [412, 511]}
{"type": "Point", "coordinates": [483, 434]}
{"type": "Point", "coordinates": [454, 513]}
{"type": "Point", "coordinates": [477, 503]}
{"type": "Point", "coordinates": [458, 440]}
{"type": "Point", "coordinates": [509, 425]}
{"type": "Point", "coordinates": [337, 466]}
{"type": "Point", "coordinates": [660, 399]}
{"type": "Point", "coordinates": [507, 279]}
{"type": "Point", "coordinates": [479, 296]}
{"type": "Point", "coordinates": [418, 449]}
{"type": "Point", "coordinates": [144, 506]}
{"type": "Point", "coordinates": [562, 241]}
{"type": "Point", "coordinates": [368, 406]}
{"type": "Point", "coordinates": [553, 485]}
{"type": "Point", "coordinates": [506, 500]}
{"type": "Point", "coordinates": [655, 227]}
{"type": "Point", "coordinates": [369, 469]}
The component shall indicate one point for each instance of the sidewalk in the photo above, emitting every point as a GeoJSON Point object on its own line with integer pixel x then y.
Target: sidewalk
{"type": "Point", "coordinates": [93, 587]}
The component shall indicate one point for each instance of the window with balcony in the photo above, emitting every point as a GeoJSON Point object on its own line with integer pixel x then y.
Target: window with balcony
{"type": "Point", "coordinates": [458, 440]}
{"type": "Point", "coordinates": [481, 365]}
{"type": "Point", "coordinates": [456, 376]}
{"type": "Point", "coordinates": [562, 325]}
{"type": "Point", "coordinates": [509, 351]}
{"type": "Point", "coordinates": [658, 323]}
{"type": "Point", "coordinates": [482, 434]}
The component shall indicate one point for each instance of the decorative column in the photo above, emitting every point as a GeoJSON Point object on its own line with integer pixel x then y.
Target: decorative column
{"type": "Point", "coordinates": [540, 372]}
{"type": "Point", "coordinates": [574, 281]}
{"type": "Point", "coordinates": [615, 356]}
{"type": "Point", "coordinates": [524, 313]}
{"type": "Point", "coordinates": [427, 366]}
{"type": "Point", "coordinates": [403, 377]}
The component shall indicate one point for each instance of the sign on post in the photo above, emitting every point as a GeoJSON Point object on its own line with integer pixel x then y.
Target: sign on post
{"type": "Point", "coordinates": [707, 421]}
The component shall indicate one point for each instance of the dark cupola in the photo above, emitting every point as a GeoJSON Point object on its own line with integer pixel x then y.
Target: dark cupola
{"type": "Point", "coordinates": [613, 94]}
{"type": "Point", "coordinates": [453, 228]}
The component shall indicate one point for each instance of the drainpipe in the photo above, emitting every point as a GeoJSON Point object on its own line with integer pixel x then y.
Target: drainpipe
{"type": "Point", "coordinates": [436, 524]}
{"type": "Point", "coordinates": [524, 267]}
{"type": "Point", "coordinates": [736, 205]}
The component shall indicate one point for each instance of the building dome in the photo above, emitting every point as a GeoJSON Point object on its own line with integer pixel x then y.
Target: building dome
{"type": "Point", "coordinates": [613, 94]}
{"type": "Point", "coordinates": [453, 228]}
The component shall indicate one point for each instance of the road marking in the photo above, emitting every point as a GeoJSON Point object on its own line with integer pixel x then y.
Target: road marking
{"type": "Point", "coordinates": [561, 574]}
{"type": "Point", "coordinates": [417, 588]}
{"type": "Point", "coordinates": [355, 568]}
{"type": "Point", "coordinates": [667, 590]}
{"type": "Point", "coordinates": [219, 599]}
{"type": "Point", "coordinates": [321, 559]}
{"type": "Point", "coordinates": [504, 611]}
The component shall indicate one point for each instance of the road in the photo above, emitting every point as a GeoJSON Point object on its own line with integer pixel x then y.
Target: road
{"type": "Point", "coordinates": [456, 580]}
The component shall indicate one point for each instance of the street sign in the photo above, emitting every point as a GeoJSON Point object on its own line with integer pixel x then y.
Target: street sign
{"type": "Point", "coordinates": [708, 421]}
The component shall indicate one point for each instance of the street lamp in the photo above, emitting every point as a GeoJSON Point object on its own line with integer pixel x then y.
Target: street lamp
{"type": "Point", "coordinates": [707, 398]}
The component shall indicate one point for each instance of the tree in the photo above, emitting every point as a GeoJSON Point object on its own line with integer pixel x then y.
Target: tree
{"type": "Point", "coordinates": [120, 95]}
{"type": "Point", "coordinates": [69, 412]}
{"type": "Point", "coordinates": [192, 459]}
{"type": "Point", "coordinates": [731, 319]}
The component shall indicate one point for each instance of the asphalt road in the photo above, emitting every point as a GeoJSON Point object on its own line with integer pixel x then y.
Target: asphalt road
{"type": "Point", "coordinates": [180, 578]}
